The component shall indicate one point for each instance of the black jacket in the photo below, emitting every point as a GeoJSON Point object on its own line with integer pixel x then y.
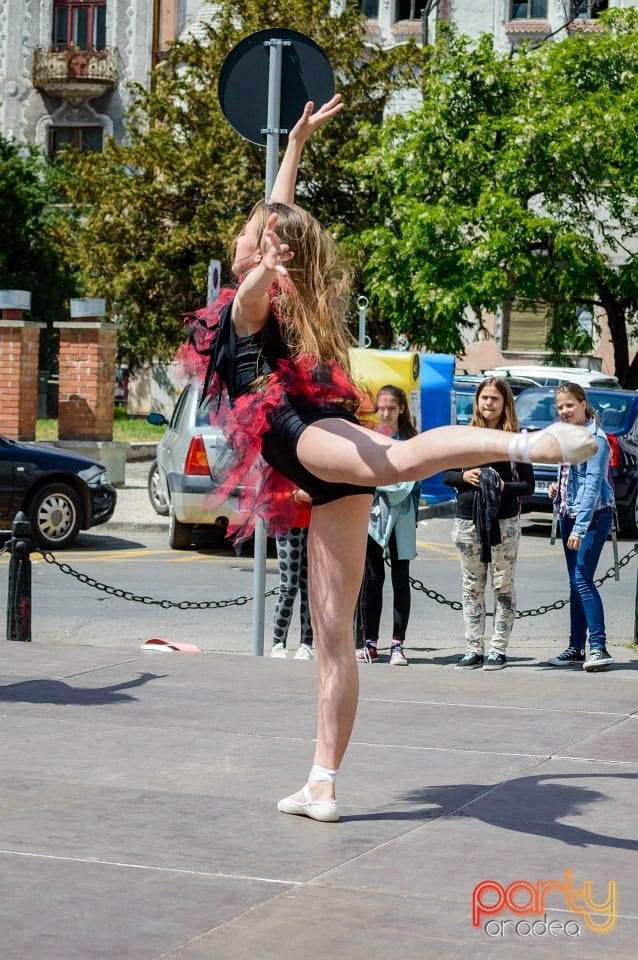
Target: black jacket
{"type": "Point", "coordinates": [511, 493]}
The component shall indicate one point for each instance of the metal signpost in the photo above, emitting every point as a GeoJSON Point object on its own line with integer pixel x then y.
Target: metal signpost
{"type": "Point", "coordinates": [264, 84]}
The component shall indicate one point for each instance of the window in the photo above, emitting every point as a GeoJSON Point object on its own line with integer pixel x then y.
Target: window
{"type": "Point", "coordinates": [410, 9]}
{"type": "Point", "coordinates": [525, 326]}
{"type": "Point", "coordinates": [83, 139]}
{"type": "Point", "coordinates": [370, 8]}
{"type": "Point", "coordinates": [82, 24]}
{"type": "Point", "coordinates": [529, 10]}
{"type": "Point", "coordinates": [587, 9]}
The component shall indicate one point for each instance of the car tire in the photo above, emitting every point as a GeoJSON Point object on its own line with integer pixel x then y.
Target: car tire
{"type": "Point", "coordinates": [180, 535]}
{"type": "Point", "coordinates": [628, 519]}
{"type": "Point", "coordinates": [155, 493]}
{"type": "Point", "coordinates": [55, 514]}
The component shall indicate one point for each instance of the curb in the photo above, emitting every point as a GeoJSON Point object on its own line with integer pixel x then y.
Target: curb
{"type": "Point", "coordinates": [133, 526]}
{"type": "Point", "coordinates": [433, 511]}
{"type": "Point", "coordinates": [141, 451]}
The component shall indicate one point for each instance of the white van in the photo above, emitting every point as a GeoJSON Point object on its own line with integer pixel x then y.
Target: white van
{"type": "Point", "coordinates": [554, 376]}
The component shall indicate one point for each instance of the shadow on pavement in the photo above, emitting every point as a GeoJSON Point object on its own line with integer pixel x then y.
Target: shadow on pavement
{"type": "Point", "coordinates": [532, 805]}
{"type": "Point", "coordinates": [56, 691]}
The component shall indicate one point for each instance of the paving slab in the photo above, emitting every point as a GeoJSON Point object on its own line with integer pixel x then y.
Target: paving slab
{"type": "Point", "coordinates": [139, 819]}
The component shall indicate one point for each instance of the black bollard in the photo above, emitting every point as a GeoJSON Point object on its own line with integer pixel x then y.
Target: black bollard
{"type": "Point", "coordinates": [19, 591]}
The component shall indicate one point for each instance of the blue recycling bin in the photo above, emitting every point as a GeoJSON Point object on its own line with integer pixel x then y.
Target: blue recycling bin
{"type": "Point", "coordinates": [437, 378]}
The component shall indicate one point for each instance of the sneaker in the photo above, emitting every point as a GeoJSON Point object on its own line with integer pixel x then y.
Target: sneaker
{"type": "Point", "coordinates": [470, 661]}
{"type": "Point", "coordinates": [397, 656]}
{"type": "Point", "coordinates": [597, 660]}
{"type": "Point", "coordinates": [367, 654]}
{"type": "Point", "coordinates": [567, 657]}
{"type": "Point", "coordinates": [495, 661]}
{"type": "Point", "coordinates": [304, 652]}
{"type": "Point", "coordinates": [278, 651]}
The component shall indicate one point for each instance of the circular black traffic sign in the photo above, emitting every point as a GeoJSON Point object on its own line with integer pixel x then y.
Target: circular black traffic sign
{"type": "Point", "coordinates": [306, 74]}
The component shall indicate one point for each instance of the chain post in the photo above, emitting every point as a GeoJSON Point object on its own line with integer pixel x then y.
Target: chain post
{"type": "Point", "coordinates": [19, 580]}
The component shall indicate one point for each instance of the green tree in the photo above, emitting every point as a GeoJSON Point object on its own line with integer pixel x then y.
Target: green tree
{"type": "Point", "coordinates": [518, 178]}
{"type": "Point", "coordinates": [30, 258]}
{"type": "Point", "coordinates": [149, 215]}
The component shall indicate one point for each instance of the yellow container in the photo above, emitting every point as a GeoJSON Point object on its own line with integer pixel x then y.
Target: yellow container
{"type": "Point", "coordinates": [373, 369]}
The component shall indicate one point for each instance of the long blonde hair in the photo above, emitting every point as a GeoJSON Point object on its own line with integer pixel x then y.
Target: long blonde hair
{"type": "Point", "coordinates": [508, 420]}
{"type": "Point", "coordinates": [313, 306]}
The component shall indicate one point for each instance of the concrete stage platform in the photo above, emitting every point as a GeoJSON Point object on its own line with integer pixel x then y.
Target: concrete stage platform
{"type": "Point", "coordinates": [139, 819]}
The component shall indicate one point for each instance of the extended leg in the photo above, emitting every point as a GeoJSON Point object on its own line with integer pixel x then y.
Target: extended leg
{"type": "Point", "coordinates": [343, 452]}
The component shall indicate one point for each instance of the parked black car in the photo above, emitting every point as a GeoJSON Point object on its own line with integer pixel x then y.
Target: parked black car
{"type": "Point", "coordinates": [618, 413]}
{"type": "Point", "coordinates": [60, 492]}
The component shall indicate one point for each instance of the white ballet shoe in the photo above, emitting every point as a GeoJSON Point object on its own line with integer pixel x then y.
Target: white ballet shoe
{"type": "Point", "coordinates": [324, 810]}
{"type": "Point", "coordinates": [558, 443]}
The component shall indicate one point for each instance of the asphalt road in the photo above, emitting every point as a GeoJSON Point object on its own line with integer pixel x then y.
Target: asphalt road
{"type": "Point", "coordinates": [67, 610]}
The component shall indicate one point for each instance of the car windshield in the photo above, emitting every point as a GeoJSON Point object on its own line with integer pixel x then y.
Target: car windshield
{"type": "Point", "coordinates": [537, 408]}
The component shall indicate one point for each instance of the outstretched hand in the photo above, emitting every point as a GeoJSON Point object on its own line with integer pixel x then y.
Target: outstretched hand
{"type": "Point", "coordinates": [309, 121]}
{"type": "Point", "coordinates": [274, 253]}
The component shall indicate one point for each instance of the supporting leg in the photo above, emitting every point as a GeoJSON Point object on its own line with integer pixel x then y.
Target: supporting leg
{"type": "Point", "coordinates": [336, 553]}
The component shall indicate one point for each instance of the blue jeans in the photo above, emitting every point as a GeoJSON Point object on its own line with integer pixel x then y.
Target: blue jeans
{"type": "Point", "coordinates": [585, 605]}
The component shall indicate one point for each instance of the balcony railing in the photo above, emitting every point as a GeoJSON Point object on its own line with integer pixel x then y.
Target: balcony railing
{"type": "Point", "coordinates": [73, 74]}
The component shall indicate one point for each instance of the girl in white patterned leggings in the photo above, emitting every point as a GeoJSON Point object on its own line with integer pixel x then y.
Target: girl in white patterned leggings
{"type": "Point", "coordinates": [487, 530]}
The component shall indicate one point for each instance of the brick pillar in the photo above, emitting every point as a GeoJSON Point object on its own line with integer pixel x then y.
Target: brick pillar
{"type": "Point", "coordinates": [19, 349]}
{"type": "Point", "coordinates": [88, 348]}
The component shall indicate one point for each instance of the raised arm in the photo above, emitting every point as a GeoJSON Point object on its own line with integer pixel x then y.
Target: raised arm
{"type": "Point", "coordinates": [283, 190]}
{"type": "Point", "coordinates": [251, 305]}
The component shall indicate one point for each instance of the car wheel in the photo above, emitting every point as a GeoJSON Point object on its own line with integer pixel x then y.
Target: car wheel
{"type": "Point", "coordinates": [155, 492]}
{"type": "Point", "coordinates": [180, 535]}
{"type": "Point", "coordinates": [55, 513]}
{"type": "Point", "coordinates": [628, 519]}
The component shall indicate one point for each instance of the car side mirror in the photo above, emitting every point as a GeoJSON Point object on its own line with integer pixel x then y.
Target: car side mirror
{"type": "Point", "coordinates": [157, 420]}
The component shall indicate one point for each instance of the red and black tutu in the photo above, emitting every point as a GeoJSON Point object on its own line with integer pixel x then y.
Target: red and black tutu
{"type": "Point", "coordinates": [240, 467]}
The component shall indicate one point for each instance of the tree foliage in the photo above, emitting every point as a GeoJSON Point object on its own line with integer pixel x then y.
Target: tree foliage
{"type": "Point", "coordinates": [150, 214]}
{"type": "Point", "coordinates": [30, 259]}
{"type": "Point", "coordinates": [517, 178]}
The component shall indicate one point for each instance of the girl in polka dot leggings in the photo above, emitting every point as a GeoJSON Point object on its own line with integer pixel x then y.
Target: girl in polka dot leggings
{"type": "Point", "coordinates": [293, 579]}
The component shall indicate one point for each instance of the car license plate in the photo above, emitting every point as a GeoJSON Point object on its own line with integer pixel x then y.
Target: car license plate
{"type": "Point", "coordinates": [541, 486]}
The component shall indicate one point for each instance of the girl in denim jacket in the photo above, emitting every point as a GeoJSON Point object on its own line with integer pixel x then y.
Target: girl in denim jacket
{"type": "Point", "coordinates": [584, 496]}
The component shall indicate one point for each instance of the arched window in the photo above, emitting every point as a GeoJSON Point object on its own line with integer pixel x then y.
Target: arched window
{"type": "Point", "coordinates": [80, 23]}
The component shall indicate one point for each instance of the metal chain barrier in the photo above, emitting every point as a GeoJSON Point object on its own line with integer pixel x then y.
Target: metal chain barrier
{"type": "Point", "coordinates": [535, 611]}
{"type": "Point", "coordinates": [149, 601]}
{"type": "Point", "coordinates": [240, 601]}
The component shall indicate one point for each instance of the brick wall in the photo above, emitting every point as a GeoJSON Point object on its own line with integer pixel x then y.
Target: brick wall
{"type": "Point", "coordinates": [19, 346]}
{"type": "Point", "coordinates": [86, 381]}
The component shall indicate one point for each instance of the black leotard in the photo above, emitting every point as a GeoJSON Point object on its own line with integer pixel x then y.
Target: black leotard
{"type": "Point", "coordinates": [239, 363]}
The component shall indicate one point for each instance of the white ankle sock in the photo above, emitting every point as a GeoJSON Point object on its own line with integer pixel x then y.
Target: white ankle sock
{"type": "Point", "coordinates": [322, 773]}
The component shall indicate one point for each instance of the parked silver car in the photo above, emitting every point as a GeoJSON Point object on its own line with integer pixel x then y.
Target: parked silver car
{"type": "Point", "coordinates": [181, 480]}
